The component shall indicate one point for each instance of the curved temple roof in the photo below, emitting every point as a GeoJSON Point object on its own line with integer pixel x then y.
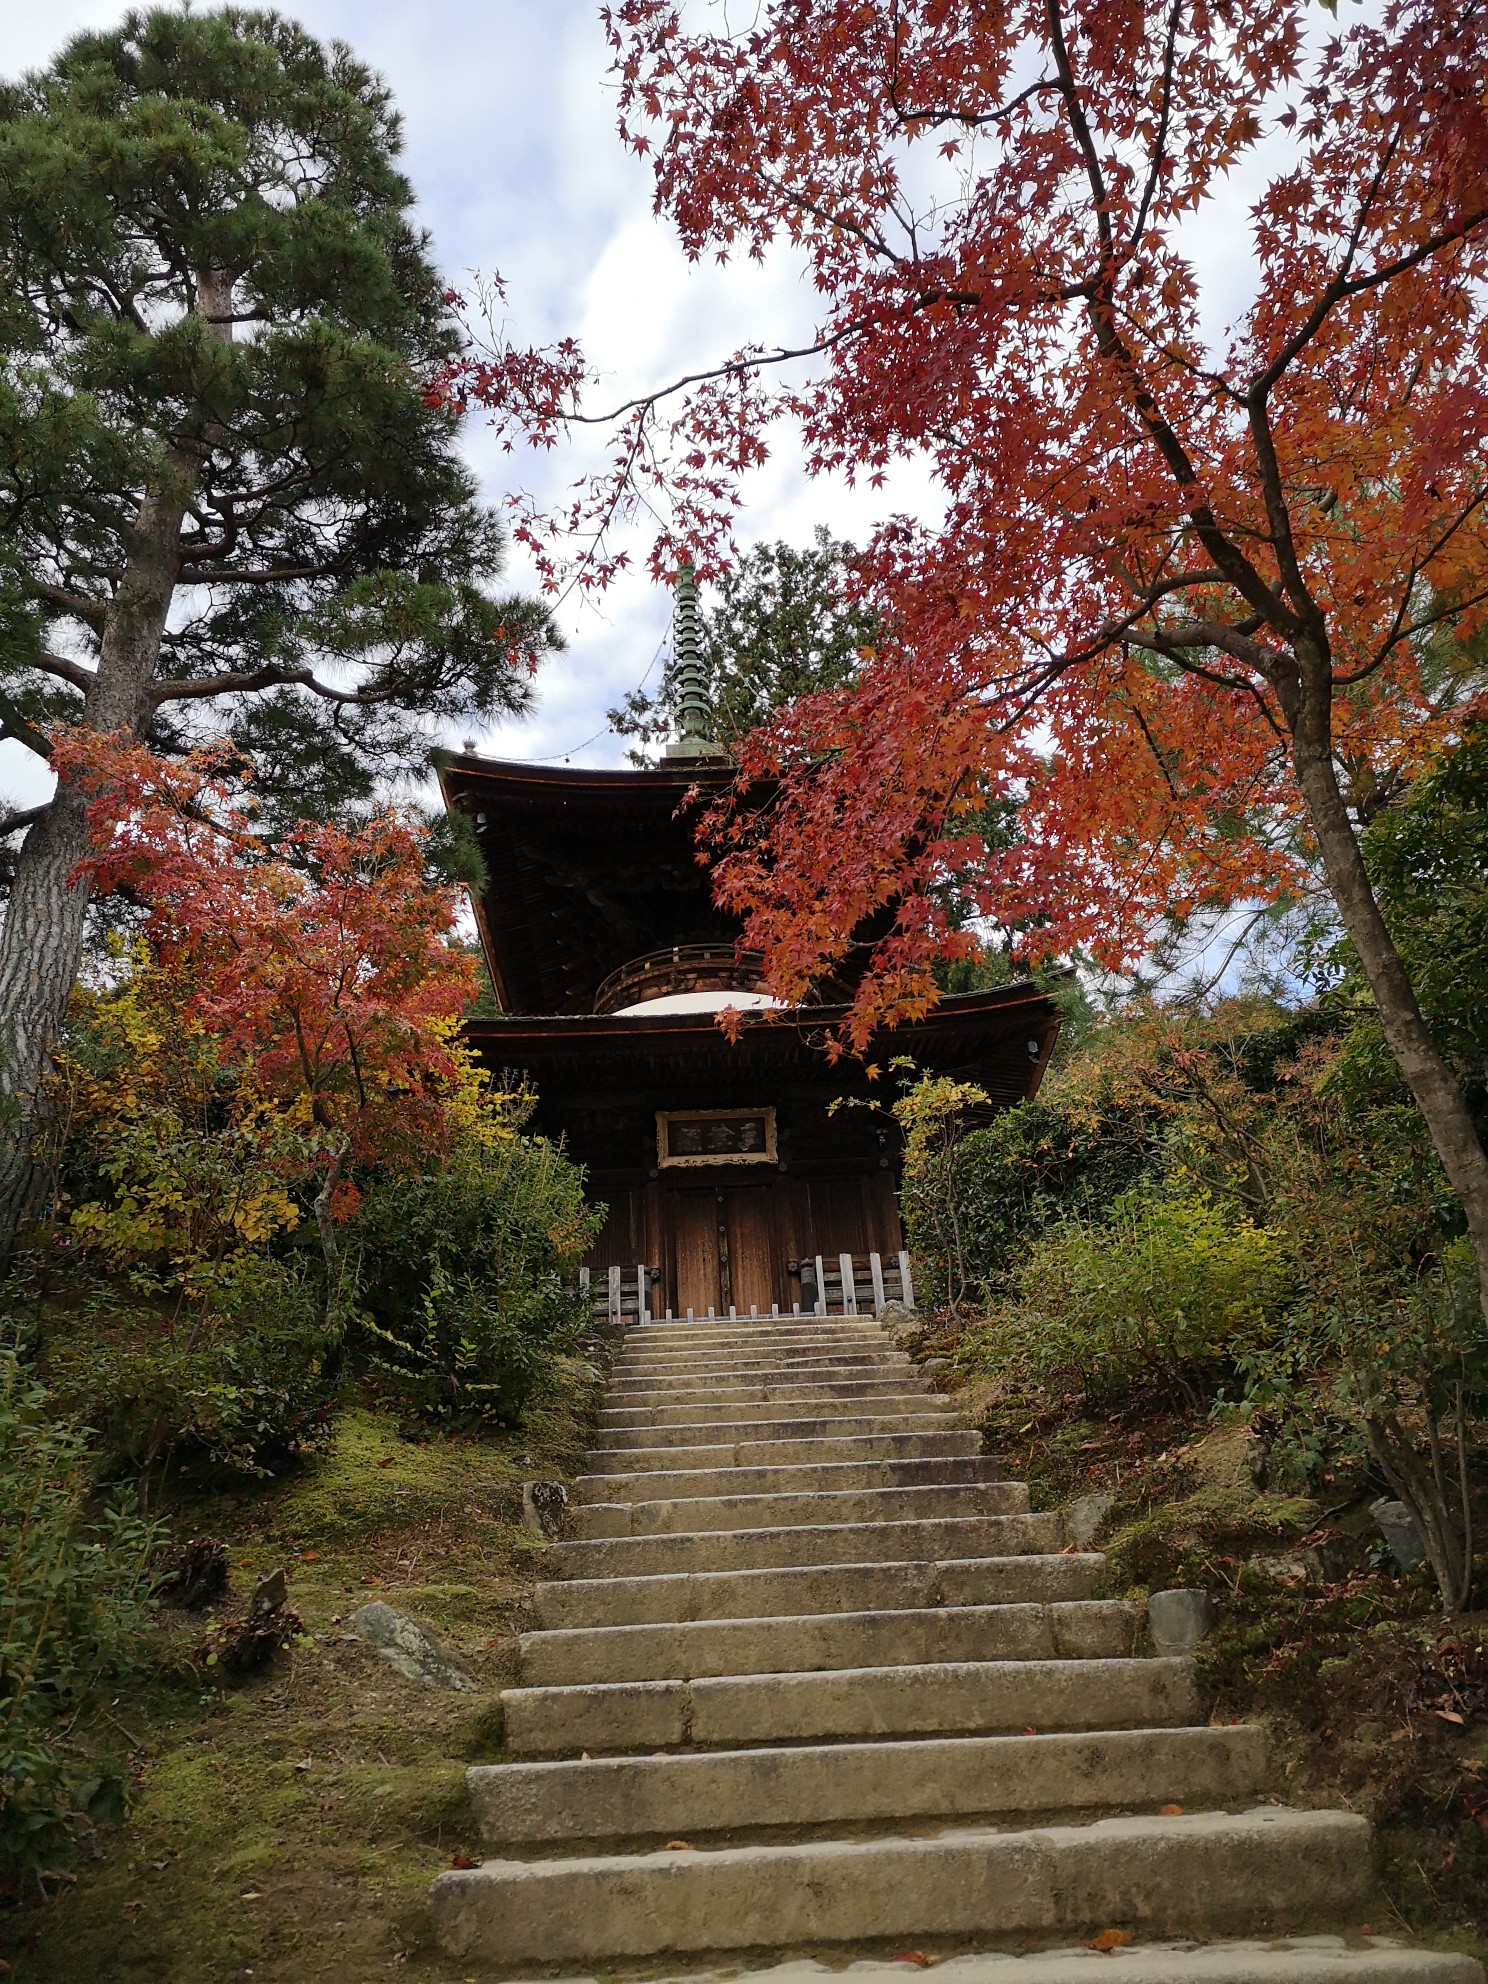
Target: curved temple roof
{"type": "Point", "coordinates": [587, 871]}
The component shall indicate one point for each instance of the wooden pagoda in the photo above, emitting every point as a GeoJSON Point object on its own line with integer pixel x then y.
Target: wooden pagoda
{"type": "Point", "coordinates": [730, 1180]}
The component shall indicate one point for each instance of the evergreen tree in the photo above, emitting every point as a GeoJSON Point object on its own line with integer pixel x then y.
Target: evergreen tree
{"type": "Point", "coordinates": [784, 625]}
{"type": "Point", "coordinates": [229, 501]}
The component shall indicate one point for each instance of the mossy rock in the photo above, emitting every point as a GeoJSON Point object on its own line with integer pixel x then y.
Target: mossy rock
{"type": "Point", "coordinates": [1177, 1543]}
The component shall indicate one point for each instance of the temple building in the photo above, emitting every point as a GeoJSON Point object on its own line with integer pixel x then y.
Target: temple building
{"type": "Point", "coordinates": [730, 1180]}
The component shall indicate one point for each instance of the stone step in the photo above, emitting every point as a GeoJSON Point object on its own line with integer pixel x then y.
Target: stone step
{"type": "Point", "coordinates": [915, 1539]}
{"type": "Point", "coordinates": [763, 1371]}
{"type": "Point", "coordinates": [815, 1641]}
{"type": "Point", "coordinates": [1292, 1960]}
{"type": "Point", "coordinates": [970, 1698]}
{"type": "Point", "coordinates": [727, 1478]}
{"type": "Point", "coordinates": [1205, 1874]}
{"type": "Point", "coordinates": [676, 1515]}
{"type": "Point", "coordinates": [894, 1407]}
{"type": "Point", "coordinates": [659, 1599]}
{"type": "Point", "coordinates": [766, 1330]}
{"type": "Point", "coordinates": [850, 1351]}
{"type": "Point", "coordinates": [745, 1391]}
{"type": "Point", "coordinates": [636, 1798]}
{"type": "Point", "coordinates": [955, 1443]}
{"type": "Point", "coordinates": [700, 1428]}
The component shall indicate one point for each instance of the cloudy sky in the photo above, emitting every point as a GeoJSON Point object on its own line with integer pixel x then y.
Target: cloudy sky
{"type": "Point", "coordinates": [512, 152]}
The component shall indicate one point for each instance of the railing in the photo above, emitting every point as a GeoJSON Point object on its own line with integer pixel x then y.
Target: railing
{"type": "Point", "coordinates": [831, 1285]}
{"type": "Point", "coordinates": [682, 968]}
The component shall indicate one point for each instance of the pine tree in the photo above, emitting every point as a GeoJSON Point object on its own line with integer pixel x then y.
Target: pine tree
{"type": "Point", "coordinates": [229, 502]}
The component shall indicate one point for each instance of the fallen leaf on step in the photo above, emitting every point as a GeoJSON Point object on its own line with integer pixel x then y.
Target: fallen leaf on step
{"type": "Point", "coordinates": [1072, 1550]}
{"type": "Point", "coordinates": [253, 1894]}
{"type": "Point", "coordinates": [464, 1862]}
{"type": "Point", "coordinates": [1170, 1811]}
{"type": "Point", "coordinates": [680, 1846]}
{"type": "Point", "coordinates": [1030, 1732]}
{"type": "Point", "coordinates": [1109, 1939]}
{"type": "Point", "coordinates": [914, 1956]}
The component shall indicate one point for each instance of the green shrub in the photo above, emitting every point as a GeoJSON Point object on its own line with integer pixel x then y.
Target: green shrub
{"type": "Point", "coordinates": [1164, 1290]}
{"type": "Point", "coordinates": [466, 1278]}
{"type": "Point", "coordinates": [73, 1597]}
{"type": "Point", "coordinates": [970, 1213]}
{"type": "Point", "coordinates": [244, 1386]}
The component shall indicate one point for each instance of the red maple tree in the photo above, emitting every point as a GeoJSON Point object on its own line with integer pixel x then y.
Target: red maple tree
{"type": "Point", "coordinates": [1199, 598]}
{"type": "Point", "coordinates": [321, 963]}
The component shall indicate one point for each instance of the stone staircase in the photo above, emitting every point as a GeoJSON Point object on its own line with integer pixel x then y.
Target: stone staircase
{"type": "Point", "coordinates": [813, 1681]}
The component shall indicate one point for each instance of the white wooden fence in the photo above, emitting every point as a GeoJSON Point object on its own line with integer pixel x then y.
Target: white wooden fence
{"type": "Point", "coordinates": [831, 1285]}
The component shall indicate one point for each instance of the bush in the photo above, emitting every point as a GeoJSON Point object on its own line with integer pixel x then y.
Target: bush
{"type": "Point", "coordinates": [972, 1210]}
{"type": "Point", "coordinates": [73, 1595]}
{"type": "Point", "coordinates": [244, 1386]}
{"type": "Point", "coordinates": [1164, 1290]}
{"type": "Point", "coordinates": [466, 1278]}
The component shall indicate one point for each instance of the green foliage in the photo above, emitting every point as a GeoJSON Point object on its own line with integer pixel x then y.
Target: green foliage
{"type": "Point", "coordinates": [219, 324]}
{"type": "Point", "coordinates": [1428, 857]}
{"type": "Point", "coordinates": [73, 1598]}
{"type": "Point", "coordinates": [783, 627]}
{"type": "Point", "coordinates": [973, 1203]}
{"type": "Point", "coordinates": [467, 1276]}
{"type": "Point", "coordinates": [1161, 1291]}
{"type": "Point", "coordinates": [245, 1384]}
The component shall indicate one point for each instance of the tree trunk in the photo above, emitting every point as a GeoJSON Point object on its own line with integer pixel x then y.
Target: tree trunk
{"type": "Point", "coordinates": [41, 945]}
{"type": "Point", "coordinates": [1426, 1075]}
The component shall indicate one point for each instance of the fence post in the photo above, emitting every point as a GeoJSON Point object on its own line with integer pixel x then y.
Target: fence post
{"type": "Point", "coordinates": [643, 1294]}
{"type": "Point", "coordinates": [849, 1285]}
{"type": "Point", "coordinates": [906, 1286]}
{"type": "Point", "coordinates": [821, 1287]}
{"type": "Point", "coordinates": [875, 1268]}
{"type": "Point", "coordinates": [614, 1292]}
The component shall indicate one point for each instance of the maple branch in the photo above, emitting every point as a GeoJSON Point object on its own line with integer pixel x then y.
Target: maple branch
{"type": "Point", "coordinates": [1341, 291]}
{"type": "Point", "coordinates": [1236, 567]}
{"type": "Point", "coordinates": [1157, 757]}
{"type": "Point", "coordinates": [1159, 149]}
{"type": "Point", "coordinates": [730, 368]}
{"type": "Point", "coordinates": [874, 243]}
{"type": "Point", "coordinates": [1233, 640]}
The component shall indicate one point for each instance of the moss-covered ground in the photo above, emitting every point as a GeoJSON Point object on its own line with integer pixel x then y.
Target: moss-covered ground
{"type": "Point", "coordinates": [1374, 1700]}
{"type": "Point", "coordinates": [286, 1826]}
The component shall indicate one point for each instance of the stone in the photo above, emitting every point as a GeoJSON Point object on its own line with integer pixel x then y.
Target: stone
{"type": "Point", "coordinates": [1398, 1527]}
{"type": "Point", "coordinates": [1084, 1516]}
{"type": "Point", "coordinates": [1179, 1619]}
{"type": "Point", "coordinates": [543, 1507]}
{"type": "Point", "coordinates": [409, 1647]}
{"type": "Point", "coordinates": [270, 1595]}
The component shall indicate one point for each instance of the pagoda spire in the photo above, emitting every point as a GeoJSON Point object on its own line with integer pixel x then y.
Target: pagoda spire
{"type": "Point", "coordinates": [694, 710]}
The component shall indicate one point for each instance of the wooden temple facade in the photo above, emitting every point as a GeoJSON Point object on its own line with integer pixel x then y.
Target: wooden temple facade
{"type": "Point", "coordinates": [731, 1180]}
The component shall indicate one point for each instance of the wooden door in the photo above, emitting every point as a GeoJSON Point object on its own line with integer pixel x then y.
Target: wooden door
{"type": "Point", "coordinates": [750, 1229]}
{"type": "Point", "coordinates": [694, 1232]}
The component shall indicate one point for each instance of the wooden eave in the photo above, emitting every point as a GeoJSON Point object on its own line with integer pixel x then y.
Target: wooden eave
{"type": "Point", "coordinates": [986, 1037]}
